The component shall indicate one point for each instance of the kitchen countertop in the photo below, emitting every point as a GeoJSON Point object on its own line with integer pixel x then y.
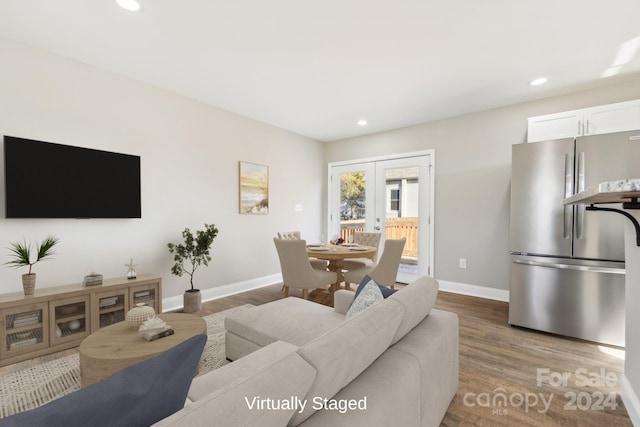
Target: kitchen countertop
{"type": "Point", "coordinates": [607, 192]}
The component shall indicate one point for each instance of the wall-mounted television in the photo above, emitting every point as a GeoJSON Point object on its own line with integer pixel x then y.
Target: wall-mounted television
{"type": "Point", "coordinates": [47, 180]}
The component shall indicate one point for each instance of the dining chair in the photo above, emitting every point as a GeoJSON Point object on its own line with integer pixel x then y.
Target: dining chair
{"type": "Point", "coordinates": [289, 235]}
{"type": "Point", "coordinates": [365, 239]}
{"type": "Point", "coordinates": [386, 270]}
{"type": "Point", "coordinates": [320, 264]}
{"type": "Point", "coordinates": [297, 271]}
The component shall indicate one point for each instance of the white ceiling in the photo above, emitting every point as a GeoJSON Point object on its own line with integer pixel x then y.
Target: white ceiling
{"type": "Point", "coordinates": [315, 67]}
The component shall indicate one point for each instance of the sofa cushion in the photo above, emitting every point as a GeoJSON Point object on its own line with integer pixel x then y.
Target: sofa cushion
{"type": "Point", "coordinates": [417, 298]}
{"type": "Point", "coordinates": [392, 395]}
{"type": "Point", "coordinates": [438, 362]}
{"type": "Point", "coordinates": [369, 294]}
{"type": "Point", "coordinates": [342, 354]}
{"type": "Point", "coordinates": [291, 320]}
{"type": "Point", "coordinates": [386, 291]}
{"type": "Point", "coordinates": [342, 300]}
{"type": "Point", "coordinates": [139, 395]}
{"type": "Point", "coordinates": [236, 394]}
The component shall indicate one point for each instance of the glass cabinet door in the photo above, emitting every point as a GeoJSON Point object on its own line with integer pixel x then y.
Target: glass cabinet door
{"type": "Point", "coordinates": [147, 295]}
{"type": "Point", "coordinates": [111, 308]}
{"type": "Point", "coordinates": [23, 329]}
{"type": "Point", "coordinates": [69, 319]}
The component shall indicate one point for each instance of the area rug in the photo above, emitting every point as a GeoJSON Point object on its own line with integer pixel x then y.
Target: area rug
{"type": "Point", "coordinates": [39, 383]}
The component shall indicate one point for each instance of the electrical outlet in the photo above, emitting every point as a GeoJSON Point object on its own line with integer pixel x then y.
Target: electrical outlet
{"type": "Point", "coordinates": [462, 263]}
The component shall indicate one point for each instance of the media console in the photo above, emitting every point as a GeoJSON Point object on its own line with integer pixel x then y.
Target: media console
{"type": "Point", "coordinates": [60, 317]}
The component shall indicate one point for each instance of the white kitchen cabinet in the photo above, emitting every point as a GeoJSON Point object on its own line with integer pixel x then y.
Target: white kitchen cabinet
{"type": "Point", "coordinates": [554, 126]}
{"type": "Point", "coordinates": [620, 117]}
{"type": "Point", "coordinates": [610, 118]}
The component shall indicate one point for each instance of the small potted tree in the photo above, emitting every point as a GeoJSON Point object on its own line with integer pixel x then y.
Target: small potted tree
{"type": "Point", "coordinates": [22, 256]}
{"type": "Point", "coordinates": [188, 256]}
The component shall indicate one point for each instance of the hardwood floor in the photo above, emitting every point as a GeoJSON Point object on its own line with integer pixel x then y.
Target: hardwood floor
{"type": "Point", "coordinates": [499, 360]}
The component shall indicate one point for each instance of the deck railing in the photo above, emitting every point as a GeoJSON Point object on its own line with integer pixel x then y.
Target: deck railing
{"type": "Point", "coordinates": [396, 228]}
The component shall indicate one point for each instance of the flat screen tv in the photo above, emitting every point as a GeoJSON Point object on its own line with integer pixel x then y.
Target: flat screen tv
{"type": "Point", "coordinates": [46, 180]}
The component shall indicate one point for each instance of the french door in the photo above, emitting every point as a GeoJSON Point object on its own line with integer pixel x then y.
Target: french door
{"type": "Point", "coordinates": [392, 196]}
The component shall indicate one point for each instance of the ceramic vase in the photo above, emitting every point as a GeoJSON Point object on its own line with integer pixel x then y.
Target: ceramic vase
{"type": "Point", "coordinates": [192, 301]}
{"type": "Point", "coordinates": [29, 283]}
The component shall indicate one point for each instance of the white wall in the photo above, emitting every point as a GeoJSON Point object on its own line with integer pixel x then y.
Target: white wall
{"type": "Point", "coordinates": [472, 181]}
{"type": "Point", "coordinates": [189, 156]}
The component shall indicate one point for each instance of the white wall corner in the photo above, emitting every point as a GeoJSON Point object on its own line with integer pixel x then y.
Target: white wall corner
{"type": "Point", "coordinates": [175, 302]}
{"type": "Point", "coordinates": [474, 290]}
{"type": "Point", "coordinates": [631, 401]}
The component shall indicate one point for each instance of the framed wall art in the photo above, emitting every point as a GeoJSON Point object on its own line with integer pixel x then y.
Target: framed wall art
{"type": "Point", "coordinates": [254, 188]}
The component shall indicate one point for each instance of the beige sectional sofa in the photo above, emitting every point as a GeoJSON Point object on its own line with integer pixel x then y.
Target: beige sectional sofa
{"type": "Point", "coordinates": [301, 363]}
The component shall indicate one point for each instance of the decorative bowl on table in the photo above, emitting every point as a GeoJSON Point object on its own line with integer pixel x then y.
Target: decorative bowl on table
{"type": "Point", "coordinates": [139, 314]}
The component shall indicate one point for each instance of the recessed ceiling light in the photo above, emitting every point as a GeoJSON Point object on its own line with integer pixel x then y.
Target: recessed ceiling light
{"type": "Point", "coordinates": [362, 122]}
{"type": "Point", "coordinates": [130, 5]}
{"type": "Point", "coordinates": [538, 81]}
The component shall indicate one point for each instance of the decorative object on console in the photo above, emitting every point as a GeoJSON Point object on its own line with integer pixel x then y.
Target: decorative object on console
{"type": "Point", "coordinates": [139, 314]}
{"type": "Point", "coordinates": [74, 324]}
{"type": "Point", "coordinates": [131, 274]}
{"type": "Point", "coordinates": [196, 250]}
{"type": "Point", "coordinates": [21, 257]}
{"type": "Point", "coordinates": [92, 279]}
{"type": "Point", "coordinates": [254, 188]}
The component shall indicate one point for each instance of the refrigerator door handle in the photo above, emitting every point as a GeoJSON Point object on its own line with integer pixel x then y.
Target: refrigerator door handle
{"type": "Point", "coordinates": [568, 191]}
{"type": "Point", "coordinates": [581, 208]}
{"type": "Point", "coordinates": [572, 267]}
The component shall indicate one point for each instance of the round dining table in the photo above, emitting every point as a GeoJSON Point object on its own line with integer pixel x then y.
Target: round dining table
{"type": "Point", "coordinates": [336, 254]}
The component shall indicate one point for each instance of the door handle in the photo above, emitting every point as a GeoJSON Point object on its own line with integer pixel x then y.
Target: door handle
{"type": "Point", "coordinates": [568, 191]}
{"type": "Point", "coordinates": [377, 228]}
{"type": "Point", "coordinates": [558, 266]}
{"type": "Point", "coordinates": [581, 208]}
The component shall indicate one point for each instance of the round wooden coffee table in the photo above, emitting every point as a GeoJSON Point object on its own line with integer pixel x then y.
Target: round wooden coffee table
{"type": "Point", "coordinates": [115, 347]}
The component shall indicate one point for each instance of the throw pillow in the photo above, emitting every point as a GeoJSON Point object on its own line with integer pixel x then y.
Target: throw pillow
{"type": "Point", "coordinates": [139, 395]}
{"type": "Point", "coordinates": [369, 295]}
{"type": "Point", "coordinates": [385, 290]}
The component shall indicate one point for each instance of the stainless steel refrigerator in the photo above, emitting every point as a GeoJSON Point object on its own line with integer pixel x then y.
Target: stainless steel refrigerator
{"type": "Point", "coordinates": [567, 264]}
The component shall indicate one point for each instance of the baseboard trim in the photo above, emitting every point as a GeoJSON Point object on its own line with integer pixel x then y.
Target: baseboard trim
{"type": "Point", "coordinates": [631, 401]}
{"type": "Point", "coordinates": [176, 303]}
{"type": "Point", "coordinates": [474, 290]}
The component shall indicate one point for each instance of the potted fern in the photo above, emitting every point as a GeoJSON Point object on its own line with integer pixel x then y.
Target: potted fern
{"type": "Point", "coordinates": [22, 256]}
{"type": "Point", "coordinates": [188, 256]}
